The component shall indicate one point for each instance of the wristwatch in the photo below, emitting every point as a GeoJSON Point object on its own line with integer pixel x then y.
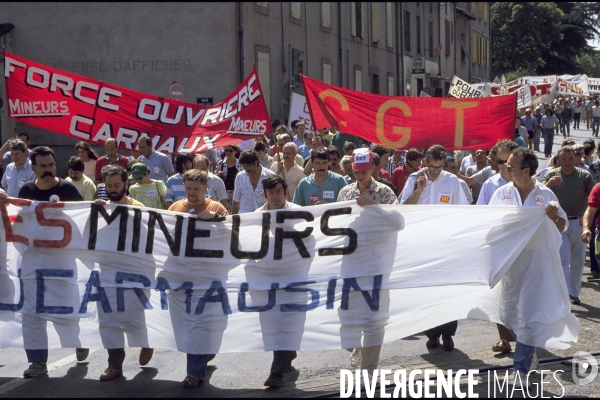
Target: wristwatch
{"type": "Point", "coordinates": [556, 219]}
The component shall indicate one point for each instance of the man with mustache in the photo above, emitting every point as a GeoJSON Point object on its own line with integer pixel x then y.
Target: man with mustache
{"type": "Point", "coordinates": [323, 186]}
{"type": "Point", "coordinates": [46, 187]}
{"type": "Point", "coordinates": [115, 180]}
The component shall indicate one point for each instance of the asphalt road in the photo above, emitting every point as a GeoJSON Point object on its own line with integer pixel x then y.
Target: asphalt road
{"type": "Point", "coordinates": [315, 373]}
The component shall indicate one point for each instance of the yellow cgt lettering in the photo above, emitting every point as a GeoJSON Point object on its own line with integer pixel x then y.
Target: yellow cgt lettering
{"type": "Point", "coordinates": [460, 107]}
{"type": "Point", "coordinates": [402, 131]}
{"type": "Point", "coordinates": [338, 96]}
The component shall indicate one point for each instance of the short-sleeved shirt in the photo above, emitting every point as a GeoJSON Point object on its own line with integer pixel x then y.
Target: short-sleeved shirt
{"type": "Point", "coordinates": [540, 196]}
{"type": "Point", "coordinates": [339, 140]}
{"type": "Point", "coordinates": [175, 190]}
{"type": "Point", "coordinates": [520, 141]}
{"type": "Point", "coordinates": [483, 175]}
{"type": "Point", "coordinates": [89, 168]}
{"type": "Point", "coordinates": [466, 163]}
{"type": "Point", "coordinates": [549, 122]}
{"type": "Point", "coordinates": [573, 192]}
{"type": "Point", "coordinates": [248, 197]}
{"type": "Point", "coordinates": [14, 178]}
{"type": "Point", "coordinates": [304, 150]}
{"type": "Point", "coordinates": [62, 191]}
{"type": "Point", "coordinates": [209, 205]}
{"type": "Point", "coordinates": [446, 189]}
{"type": "Point", "coordinates": [594, 200]}
{"type": "Point", "coordinates": [376, 191]}
{"type": "Point", "coordinates": [529, 122]}
{"type": "Point", "coordinates": [86, 187]}
{"type": "Point", "coordinates": [287, 205]}
{"type": "Point", "coordinates": [292, 177]}
{"type": "Point", "coordinates": [489, 188]}
{"type": "Point", "coordinates": [308, 192]}
{"type": "Point", "coordinates": [103, 161]}
{"type": "Point", "coordinates": [399, 177]}
{"type": "Point", "coordinates": [130, 202]}
{"type": "Point", "coordinates": [149, 193]}
{"type": "Point", "coordinates": [159, 164]}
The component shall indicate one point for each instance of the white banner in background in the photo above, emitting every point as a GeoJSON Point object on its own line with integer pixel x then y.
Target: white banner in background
{"type": "Point", "coordinates": [576, 86]}
{"type": "Point", "coordinates": [461, 89]}
{"type": "Point", "coordinates": [423, 94]}
{"type": "Point", "coordinates": [594, 85]}
{"type": "Point", "coordinates": [524, 97]}
{"type": "Point", "coordinates": [322, 277]}
{"type": "Point", "coordinates": [299, 111]}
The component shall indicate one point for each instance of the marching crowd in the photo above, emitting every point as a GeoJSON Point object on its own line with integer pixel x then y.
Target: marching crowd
{"type": "Point", "coordinates": [297, 168]}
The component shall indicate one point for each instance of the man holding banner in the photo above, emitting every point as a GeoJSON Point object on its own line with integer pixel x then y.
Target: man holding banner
{"type": "Point", "coordinates": [366, 191]}
{"type": "Point", "coordinates": [432, 185]}
{"type": "Point", "coordinates": [46, 187]}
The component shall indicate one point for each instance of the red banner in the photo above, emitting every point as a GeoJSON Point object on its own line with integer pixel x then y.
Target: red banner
{"type": "Point", "coordinates": [406, 122]}
{"type": "Point", "coordinates": [90, 110]}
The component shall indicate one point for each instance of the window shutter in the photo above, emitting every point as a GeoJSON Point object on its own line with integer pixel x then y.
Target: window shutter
{"type": "Point", "coordinates": [376, 21]}
{"type": "Point", "coordinates": [389, 24]}
{"type": "Point", "coordinates": [326, 14]}
{"type": "Point", "coordinates": [264, 75]}
{"type": "Point", "coordinates": [352, 18]}
{"type": "Point", "coordinates": [296, 9]}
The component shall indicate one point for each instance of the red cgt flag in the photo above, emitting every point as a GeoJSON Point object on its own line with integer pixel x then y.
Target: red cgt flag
{"type": "Point", "coordinates": [407, 122]}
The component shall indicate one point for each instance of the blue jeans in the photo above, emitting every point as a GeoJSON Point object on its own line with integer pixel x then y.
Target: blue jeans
{"type": "Point", "coordinates": [523, 356]}
{"type": "Point", "coordinates": [197, 363]}
{"type": "Point", "coordinates": [595, 125]}
{"type": "Point", "coordinates": [39, 356]}
{"type": "Point", "coordinates": [576, 120]}
{"type": "Point", "coordinates": [565, 126]}
{"type": "Point", "coordinates": [548, 135]}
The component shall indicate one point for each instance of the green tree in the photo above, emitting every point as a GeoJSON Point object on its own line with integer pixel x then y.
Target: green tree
{"type": "Point", "coordinates": [522, 32]}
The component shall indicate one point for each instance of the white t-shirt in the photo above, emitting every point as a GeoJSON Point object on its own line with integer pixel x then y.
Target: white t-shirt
{"type": "Point", "coordinates": [540, 196]}
{"type": "Point", "coordinates": [446, 189]}
{"type": "Point", "coordinates": [466, 163]}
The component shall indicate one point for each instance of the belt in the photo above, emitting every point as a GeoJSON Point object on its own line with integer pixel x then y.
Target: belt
{"type": "Point", "coordinates": [575, 217]}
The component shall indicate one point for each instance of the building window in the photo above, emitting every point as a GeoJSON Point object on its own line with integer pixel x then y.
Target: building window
{"type": "Point", "coordinates": [296, 9]}
{"type": "Point", "coordinates": [418, 35]}
{"type": "Point", "coordinates": [356, 18]}
{"type": "Point", "coordinates": [263, 63]}
{"type": "Point", "coordinates": [486, 10]}
{"type": "Point", "coordinates": [326, 72]}
{"type": "Point", "coordinates": [326, 14]}
{"type": "Point", "coordinates": [481, 9]}
{"type": "Point", "coordinates": [390, 85]}
{"type": "Point", "coordinates": [376, 22]}
{"type": "Point", "coordinates": [375, 83]}
{"type": "Point", "coordinates": [357, 79]}
{"type": "Point", "coordinates": [389, 24]}
{"type": "Point", "coordinates": [431, 39]}
{"type": "Point", "coordinates": [431, 7]}
{"type": "Point", "coordinates": [406, 30]}
{"type": "Point", "coordinates": [474, 48]}
{"type": "Point", "coordinates": [262, 4]}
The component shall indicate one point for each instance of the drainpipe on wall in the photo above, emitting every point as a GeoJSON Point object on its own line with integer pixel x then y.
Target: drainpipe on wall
{"type": "Point", "coordinates": [241, 37]}
{"type": "Point", "coordinates": [399, 80]}
{"type": "Point", "coordinates": [340, 50]}
{"type": "Point", "coordinates": [401, 19]}
{"type": "Point", "coordinates": [306, 38]}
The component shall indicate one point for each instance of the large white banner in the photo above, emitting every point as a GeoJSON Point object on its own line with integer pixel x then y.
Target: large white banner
{"type": "Point", "coordinates": [322, 277]}
{"type": "Point", "coordinates": [461, 89]}
{"type": "Point", "coordinates": [594, 85]}
{"type": "Point", "coordinates": [299, 111]}
{"type": "Point", "coordinates": [575, 86]}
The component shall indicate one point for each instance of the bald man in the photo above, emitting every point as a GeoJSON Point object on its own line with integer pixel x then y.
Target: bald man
{"type": "Point", "coordinates": [111, 158]}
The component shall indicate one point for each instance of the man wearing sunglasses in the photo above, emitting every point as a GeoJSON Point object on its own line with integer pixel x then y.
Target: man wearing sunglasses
{"type": "Point", "coordinates": [432, 185]}
{"type": "Point", "coordinates": [523, 190]}
{"type": "Point", "coordinates": [572, 186]}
